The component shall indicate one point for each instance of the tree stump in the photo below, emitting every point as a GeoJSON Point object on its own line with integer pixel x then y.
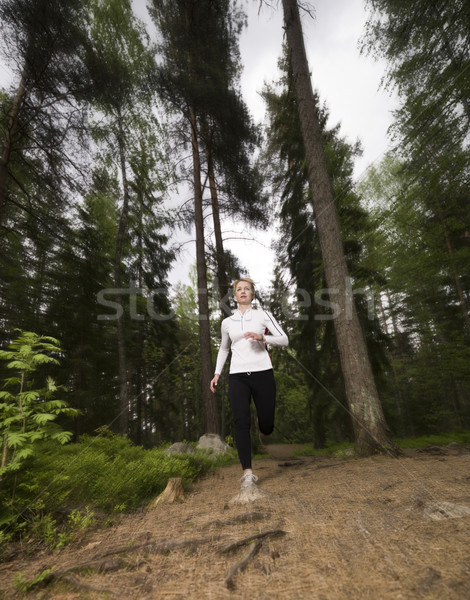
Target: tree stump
{"type": "Point", "coordinates": [172, 493]}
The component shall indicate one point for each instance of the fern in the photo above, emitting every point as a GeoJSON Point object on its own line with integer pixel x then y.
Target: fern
{"type": "Point", "coordinates": [27, 415]}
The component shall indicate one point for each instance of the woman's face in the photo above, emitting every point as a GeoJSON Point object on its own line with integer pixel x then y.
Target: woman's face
{"type": "Point", "coordinates": [243, 293]}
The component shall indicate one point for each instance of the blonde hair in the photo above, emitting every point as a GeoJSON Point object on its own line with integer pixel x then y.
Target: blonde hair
{"type": "Point", "coordinates": [248, 280]}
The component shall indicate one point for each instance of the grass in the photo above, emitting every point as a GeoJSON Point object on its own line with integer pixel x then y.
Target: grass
{"type": "Point", "coordinates": [309, 450]}
{"type": "Point", "coordinates": [61, 487]}
{"type": "Point", "coordinates": [458, 437]}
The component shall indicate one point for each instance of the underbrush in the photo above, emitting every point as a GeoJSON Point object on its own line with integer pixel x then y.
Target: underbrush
{"type": "Point", "coordinates": [63, 489]}
{"type": "Point", "coordinates": [457, 437]}
{"type": "Point", "coordinates": [330, 449]}
{"type": "Point", "coordinates": [338, 449]}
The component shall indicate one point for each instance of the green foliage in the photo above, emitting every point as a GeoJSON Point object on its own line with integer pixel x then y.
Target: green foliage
{"type": "Point", "coordinates": [420, 203]}
{"type": "Point", "coordinates": [121, 64]}
{"type": "Point", "coordinates": [99, 473]}
{"type": "Point", "coordinates": [23, 585]}
{"type": "Point", "coordinates": [458, 437]}
{"type": "Point", "coordinates": [338, 449]}
{"type": "Point", "coordinates": [45, 528]}
{"type": "Point", "coordinates": [420, 247]}
{"type": "Point", "coordinates": [27, 415]}
{"type": "Point", "coordinates": [120, 60]}
{"type": "Point", "coordinates": [293, 419]}
{"type": "Point", "coordinates": [55, 259]}
{"type": "Point", "coordinates": [345, 448]}
{"type": "Point", "coordinates": [426, 47]}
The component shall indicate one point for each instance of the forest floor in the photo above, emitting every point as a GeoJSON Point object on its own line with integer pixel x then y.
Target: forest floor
{"type": "Point", "coordinates": [331, 528]}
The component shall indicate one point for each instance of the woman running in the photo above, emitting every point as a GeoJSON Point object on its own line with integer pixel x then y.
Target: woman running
{"type": "Point", "coordinates": [251, 370]}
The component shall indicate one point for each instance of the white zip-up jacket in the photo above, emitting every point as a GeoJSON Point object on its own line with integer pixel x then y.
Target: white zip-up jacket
{"type": "Point", "coordinates": [248, 355]}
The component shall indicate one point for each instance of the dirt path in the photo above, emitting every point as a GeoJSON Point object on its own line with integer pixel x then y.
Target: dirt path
{"type": "Point", "coordinates": [343, 529]}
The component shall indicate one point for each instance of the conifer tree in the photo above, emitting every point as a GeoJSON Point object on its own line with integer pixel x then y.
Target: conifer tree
{"type": "Point", "coordinates": [371, 432]}
{"type": "Point", "coordinates": [198, 47]}
{"type": "Point", "coordinates": [43, 42]}
{"type": "Point", "coordinates": [428, 374]}
{"type": "Point", "coordinates": [298, 253]}
{"type": "Point", "coordinates": [120, 65]}
{"type": "Point", "coordinates": [426, 48]}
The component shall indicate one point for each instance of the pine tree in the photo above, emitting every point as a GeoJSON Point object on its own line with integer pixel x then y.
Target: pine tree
{"type": "Point", "coordinates": [426, 47]}
{"type": "Point", "coordinates": [81, 271]}
{"type": "Point", "coordinates": [429, 349]}
{"type": "Point", "coordinates": [120, 65]}
{"type": "Point", "coordinates": [44, 44]}
{"type": "Point", "coordinates": [299, 257]}
{"type": "Point", "coordinates": [197, 47]}
{"type": "Point", "coordinates": [370, 429]}
{"type": "Point", "coordinates": [152, 331]}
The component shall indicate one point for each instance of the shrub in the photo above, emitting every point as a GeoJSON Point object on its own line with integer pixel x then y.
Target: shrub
{"type": "Point", "coordinates": [102, 473]}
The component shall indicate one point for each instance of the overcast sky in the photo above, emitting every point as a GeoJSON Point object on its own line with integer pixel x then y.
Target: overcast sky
{"type": "Point", "coordinates": [346, 81]}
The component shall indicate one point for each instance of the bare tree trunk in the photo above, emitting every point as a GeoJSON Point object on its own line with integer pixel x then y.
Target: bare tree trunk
{"type": "Point", "coordinates": [140, 387]}
{"type": "Point", "coordinates": [209, 401]}
{"type": "Point", "coordinates": [223, 283]}
{"type": "Point", "coordinates": [391, 312]}
{"type": "Point", "coordinates": [123, 391]}
{"type": "Point", "coordinates": [222, 278]}
{"type": "Point", "coordinates": [370, 429]}
{"type": "Point", "coordinates": [397, 388]}
{"type": "Point", "coordinates": [10, 133]}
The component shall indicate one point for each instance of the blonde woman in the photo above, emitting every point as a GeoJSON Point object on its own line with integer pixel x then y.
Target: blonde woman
{"type": "Point", "coordinates": [251, 370]}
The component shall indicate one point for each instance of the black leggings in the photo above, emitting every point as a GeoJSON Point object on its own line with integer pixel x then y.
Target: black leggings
{"type": "Point", "coordinates": [242, 386]}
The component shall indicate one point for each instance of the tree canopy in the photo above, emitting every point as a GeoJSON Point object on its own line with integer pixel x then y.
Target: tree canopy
{"type": "Point", "coordinates": [117, 133]}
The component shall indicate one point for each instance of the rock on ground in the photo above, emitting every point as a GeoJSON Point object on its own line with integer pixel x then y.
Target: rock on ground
{"type": "Point", "coordinates": [212, 441]}
{"type": "Point", "coordinates": [180, 448]}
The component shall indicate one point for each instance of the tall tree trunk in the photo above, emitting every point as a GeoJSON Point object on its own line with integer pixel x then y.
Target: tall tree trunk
{"type": "Point", "coordinates": [370, 429]}
{"type": "Point", "coordinates": [124, 390]}
{"type": "Point", "coordinates": [223, 284]}
{"type": "Point", "coordinates": [140, 377]}
{"type": "Point", "coordinates": [10, 133]}
{"type": "Point", "coordinates": [391, 312]}
{"type": "Point", "coordinates": [396, 384]}
{"type": "Point", "coordinates": [209, 401]}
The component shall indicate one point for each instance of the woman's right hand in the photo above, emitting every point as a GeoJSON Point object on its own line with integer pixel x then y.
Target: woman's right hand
{"type": "Point", "coordinates": [214, 382]}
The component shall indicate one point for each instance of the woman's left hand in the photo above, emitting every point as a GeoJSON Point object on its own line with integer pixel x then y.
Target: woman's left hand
{"type": "Point", "coordinates": [251, 335]}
